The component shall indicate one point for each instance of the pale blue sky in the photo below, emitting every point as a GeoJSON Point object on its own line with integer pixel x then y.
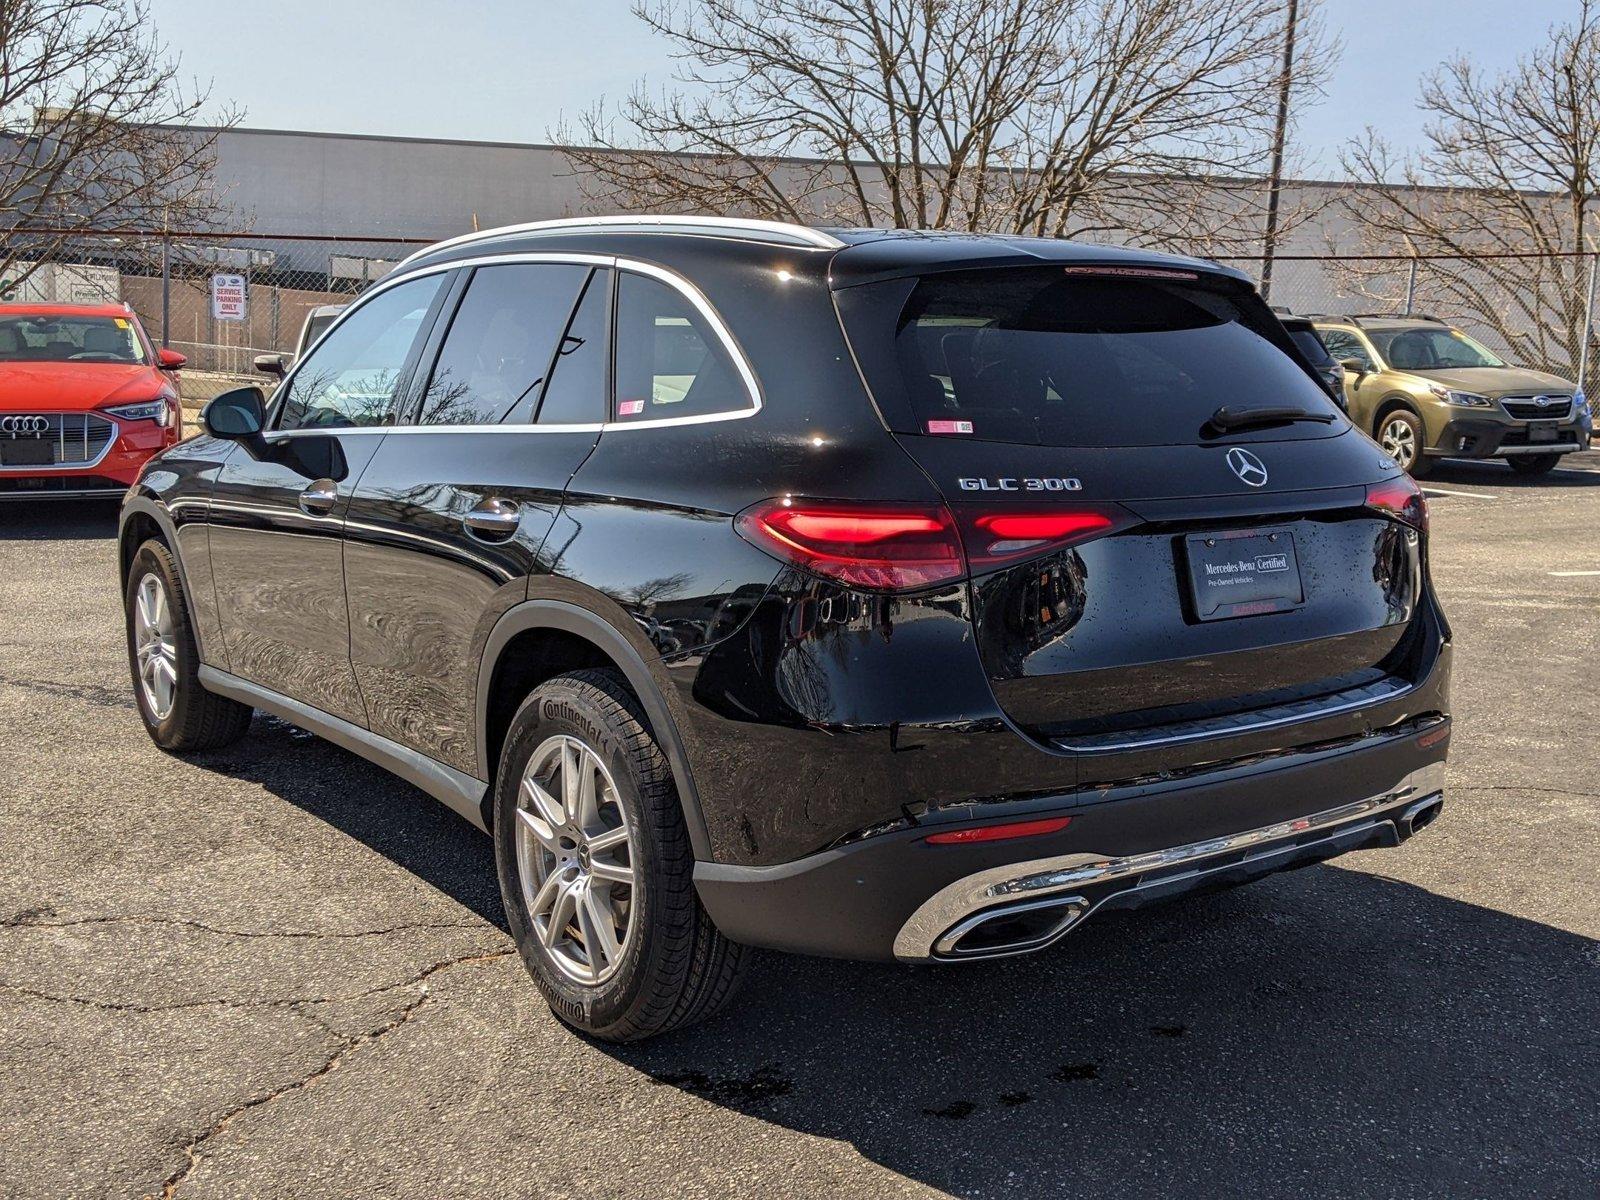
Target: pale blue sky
{"type": "Point", "coordinates": [506, 70]}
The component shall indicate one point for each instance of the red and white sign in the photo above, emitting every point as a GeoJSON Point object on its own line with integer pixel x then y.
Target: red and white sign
{"type": "Point", "coordinates": [949, 426]}
{"type": "Point", "coordinates": [229, 297]}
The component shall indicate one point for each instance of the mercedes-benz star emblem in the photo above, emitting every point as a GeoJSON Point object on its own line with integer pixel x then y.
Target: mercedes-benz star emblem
{"type": "Point", "coordinates": [1247, 467]}
{"type": "Point", "coordinates": [18, 425]}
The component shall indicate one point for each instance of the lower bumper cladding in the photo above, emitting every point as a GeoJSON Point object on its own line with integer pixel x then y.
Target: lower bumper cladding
{"type": "Point", "coordinates": [1025, 906]}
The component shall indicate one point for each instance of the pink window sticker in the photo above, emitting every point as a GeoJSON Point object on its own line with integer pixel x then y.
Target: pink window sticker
{"type": "Point", "coordinates": [629, 408]}
{"type": "Point", "coordinates": [949, 426]}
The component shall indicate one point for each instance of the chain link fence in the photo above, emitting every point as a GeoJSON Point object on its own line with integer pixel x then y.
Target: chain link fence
{"type": "Point", "coordinates": [221, 299]}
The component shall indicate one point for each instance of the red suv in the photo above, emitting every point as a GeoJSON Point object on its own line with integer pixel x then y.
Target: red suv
{"type": "Point", "coordinates": [85, 399]}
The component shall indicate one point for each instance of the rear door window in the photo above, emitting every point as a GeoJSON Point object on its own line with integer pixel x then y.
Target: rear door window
{"type": "Point", "coordinates": [670, 362]}
{"type": "Point", "coordinates": [497, 354]}
{"type": "Point", "coordinates": [576, 393]}
{"type": "Point", "coordinates": [1048, 356]}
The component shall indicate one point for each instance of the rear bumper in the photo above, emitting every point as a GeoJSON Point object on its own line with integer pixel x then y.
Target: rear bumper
{"type": "Point", "coordinates": [896, 896]}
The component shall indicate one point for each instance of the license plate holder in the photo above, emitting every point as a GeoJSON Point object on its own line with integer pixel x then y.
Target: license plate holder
{"type": "Point", "coordinates": [27, 452]}
{"type": "Point", "coordinates": [1243, 573]}
{"type": "Point", "coordinates": [1543, 431]}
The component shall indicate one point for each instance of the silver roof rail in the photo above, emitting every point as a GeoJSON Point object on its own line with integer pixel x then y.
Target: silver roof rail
{"type": "Point", "coordinates": [778, 232]}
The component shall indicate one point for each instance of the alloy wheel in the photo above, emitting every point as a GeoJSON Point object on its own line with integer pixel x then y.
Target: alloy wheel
{"type": "Point", "coordinates": [1399, 441]}
{"type": "Point", "coordinates": [575, 859]}
{"type": "Point", "coordinates": [155, 646]}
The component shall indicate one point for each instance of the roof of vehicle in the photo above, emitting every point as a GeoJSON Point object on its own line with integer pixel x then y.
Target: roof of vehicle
{"type": "Point", "coordinates": [855, 255]}
{"type": "Point", "coordinates": [66, 310]}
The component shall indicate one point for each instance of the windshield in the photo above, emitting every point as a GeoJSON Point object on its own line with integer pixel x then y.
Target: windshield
{"type": "Point", "coordinates": [1041, 356]}
{"type": "Point", "coordinates": [1430, 349]}
{"type": "Point", "coordinates": [70, 339]}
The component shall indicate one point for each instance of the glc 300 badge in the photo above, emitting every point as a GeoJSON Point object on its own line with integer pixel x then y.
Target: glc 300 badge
{"type": "Point", "coordinates": [1247, 467]}
{"type": "Point", "coordinates": [1053, 483]}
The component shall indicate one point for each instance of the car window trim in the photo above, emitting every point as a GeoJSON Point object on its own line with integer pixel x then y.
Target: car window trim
{"type": "Point", "coordinates": [618, 263]}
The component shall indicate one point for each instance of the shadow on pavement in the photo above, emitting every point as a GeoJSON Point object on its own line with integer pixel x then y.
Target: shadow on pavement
{"type": "Point", "coordinates": [1327, 1032]}
{"type": "Point", "coordinates": [1324, 1032]}
{"type": "Point", "coordinates": [1497, 472]}
{"type": "Point", "coordinates": [401, 822]}
{"type": "Point", "coordinates": [58, 520]}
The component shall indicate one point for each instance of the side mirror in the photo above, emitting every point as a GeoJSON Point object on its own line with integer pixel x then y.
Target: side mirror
{"type": "Point", "coordinates": [272, 364]}
{"type": "Point", "coordinates": [241, 415]}
{"type": "Point", "coordinates": [169, 360]}
{"type": "Point", "coordinates": [1354, 365]}
{"type": "Point", "coordinates": [237, 416]}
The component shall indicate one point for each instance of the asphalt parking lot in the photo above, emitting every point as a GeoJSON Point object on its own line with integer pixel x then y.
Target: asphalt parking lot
{"type": "Point", "coordinates": [277, 971]}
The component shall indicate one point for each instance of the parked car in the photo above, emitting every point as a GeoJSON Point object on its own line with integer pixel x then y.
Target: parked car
{"type": "Point", "coordinates": [1425, 390]}
{"type": "Point", "coordinates": [85, 399]}
{"type": "Point", "coordinates": [860, 593]}
{"type": "Point", "coordinates": [1329, 373]}
{"type": "Point", "coordinates": [316, 324]}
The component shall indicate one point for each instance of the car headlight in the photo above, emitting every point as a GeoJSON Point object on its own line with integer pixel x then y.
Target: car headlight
{"type": "Point", "coordinates": [1463, 399]}
{"type": "Point", "coordinates": [1580, 403]}
{"type": "Point", "coordinates": [159, 411]}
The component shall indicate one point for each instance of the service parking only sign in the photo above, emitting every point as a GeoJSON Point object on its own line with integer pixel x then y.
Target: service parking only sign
{"type": "Point", "coordinates": [229, 295]}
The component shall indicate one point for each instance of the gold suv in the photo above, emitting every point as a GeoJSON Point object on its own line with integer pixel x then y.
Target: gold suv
{"type": "Point", "coordinates": [1427, 391]}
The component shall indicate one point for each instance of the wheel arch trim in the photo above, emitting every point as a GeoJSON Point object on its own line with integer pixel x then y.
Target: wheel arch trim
{"type": "Point", "coordinates": [142, 504]}
{"type": "Point", "coordinates": [1389, 403]}
{"type": "Point", "coordinates": [561, 616]}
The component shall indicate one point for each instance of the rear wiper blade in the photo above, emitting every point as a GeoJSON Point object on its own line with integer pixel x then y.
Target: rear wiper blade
{"type": "Point", "coordinates": [1226, 419]}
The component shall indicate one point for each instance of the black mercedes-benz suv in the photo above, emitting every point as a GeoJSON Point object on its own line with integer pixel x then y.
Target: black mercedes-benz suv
{"type": "Point", "coordinates": [866, 593]}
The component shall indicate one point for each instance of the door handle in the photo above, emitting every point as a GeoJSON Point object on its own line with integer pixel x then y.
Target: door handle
{"type": "Point", "coordinates": [493, 520]}
{"type": "Point", "coordinates": [319, 497]}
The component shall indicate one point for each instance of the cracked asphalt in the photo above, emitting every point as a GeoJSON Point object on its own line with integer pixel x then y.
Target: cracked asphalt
{"type": "Point", "coordinates": [276, 971]}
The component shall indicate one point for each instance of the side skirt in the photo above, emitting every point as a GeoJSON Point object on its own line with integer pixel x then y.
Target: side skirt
{"type": "Point", "coordinates": [461, 793]}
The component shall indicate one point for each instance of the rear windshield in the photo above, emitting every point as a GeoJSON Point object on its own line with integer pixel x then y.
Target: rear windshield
{"type": "Point", "coordinates": [1048, 357]}
{"type": "Point", "coordinates": [70, 339]}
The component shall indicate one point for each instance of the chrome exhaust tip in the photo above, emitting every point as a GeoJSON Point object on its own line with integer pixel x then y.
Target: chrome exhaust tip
{"type": "Point", "coordinates": [1011, 929]}
{"type": "Point", "coordinates": [1420, 815]}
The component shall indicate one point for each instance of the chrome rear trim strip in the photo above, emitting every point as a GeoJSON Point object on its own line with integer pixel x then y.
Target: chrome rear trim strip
{"type": "Point", "coordinates": [1042, 877]}
{"type": "Point", "coordinates": [1238, 724]}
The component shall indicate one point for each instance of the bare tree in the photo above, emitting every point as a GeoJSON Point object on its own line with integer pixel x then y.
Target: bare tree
{"type": "Point", "coordinates": [1511, 166]}
{"type": "Point", "coordinates": [96, 127]}
{"type": "Point", "coordinates": [1144, 120]}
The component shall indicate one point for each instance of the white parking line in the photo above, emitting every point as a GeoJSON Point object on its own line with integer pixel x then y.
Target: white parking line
{"type": "Point", "coordinates": [1570, 574]}
{"type": "Point", "coordinates": [1439, 491]}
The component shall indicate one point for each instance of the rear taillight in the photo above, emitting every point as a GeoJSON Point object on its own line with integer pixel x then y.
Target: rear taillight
{"type": "Point", "coordinates": [876, 547]}
{"type": "Point", "coordinates": [1401, 499]}
{"type": "Point", "coordinates": [995, 537]}
{"type": "Point", "coordinates": [901, 547]}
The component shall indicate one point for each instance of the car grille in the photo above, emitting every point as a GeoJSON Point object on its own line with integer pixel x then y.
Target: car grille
{"type": "Point", "coordinates": [73, 439]}
{"type": "Point", "coordinates": [1526, 408]}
